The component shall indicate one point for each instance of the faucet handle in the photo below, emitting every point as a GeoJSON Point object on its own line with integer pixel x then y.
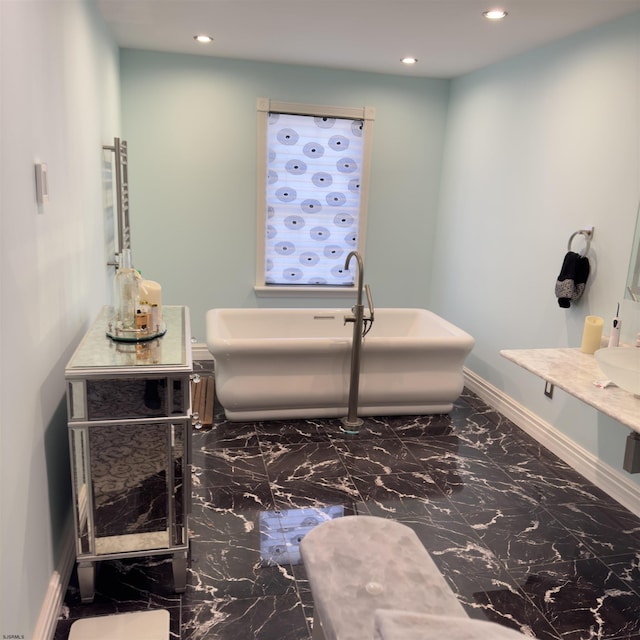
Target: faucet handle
{"type": "Point", "coordinates": [369, 301]}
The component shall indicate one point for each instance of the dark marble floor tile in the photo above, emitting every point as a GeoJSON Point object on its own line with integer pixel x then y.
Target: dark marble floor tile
{"type": "Point", "coordinates": [470, 399]}
{"type": "Point", "coordinates": [396, 495]}
{"type": "Point", "coordinates": [510, 607]}
{"type": "Point", "coordinates": [317, 492]}
{"type": "Point", "coordinates": [417, 426]}
{"type": "Point", "coordinates": [472, 481]}
{"type": "Point", "coordinates": [372, 429]}
{"type": "Point", "coordinates": [583, 599]}
{"type": "Point", "coordinates": [554, 481]}
{"type": "Point", "coordinates": [263, 618]}
{"type": "Point", "coordinates": [518, 461]}
{"type": "Point", "coordinates": [475, 426]}
{"type": "Point", "coordinates": [477, 576]}
{"type": "Point", "coordinates": [444, 449]}
{"type": "Point", "coordinates": [521, 538]}
{"type": "Point", "coordinates": [503, 446]}
{"type": "Point", "coordinates": [539, 452]}
{"type": "Point", "coordinates": [222, 467]}
{"type": "Point", "coordinates": [219, 513]}
{"type": "Point", "coordinates": [526, 537]}
{"type": "Point", "coordinates": [447, 536]}
{"type": "Point", "coordinates": [468, 565]}
{"type": "Point", "coordinates": [223, 435]}
{"type": "Point", "coordinates": [236, 568]}
{"type": "Point", "coordinates": [379, 457]}
{"type": "Point", "coordinates": [290, 432]}
{"type": "Point", "coordinates": [607, 530]}
{"type": "Point", "coordinates": [472, 415]}
{"type": "Point", "coordinates": [301, 461]}
{"type": "Point", "coordinates": [545, 487]}
{"type": "Point", "coordinates": [627, 568]}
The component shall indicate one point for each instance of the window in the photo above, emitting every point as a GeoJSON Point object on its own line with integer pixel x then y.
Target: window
{"type": "Point", "coordinates": [313, 166]}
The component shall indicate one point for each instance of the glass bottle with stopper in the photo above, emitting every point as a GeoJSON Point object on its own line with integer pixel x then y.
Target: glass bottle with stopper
{"type": "Point", "coordinates": [127, 283]}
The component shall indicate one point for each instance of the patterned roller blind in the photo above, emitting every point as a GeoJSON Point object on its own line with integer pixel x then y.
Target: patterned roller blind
{"type": "Point", "coordinates": [314, 169]}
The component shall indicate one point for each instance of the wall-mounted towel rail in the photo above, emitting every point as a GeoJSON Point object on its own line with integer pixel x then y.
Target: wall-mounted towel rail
{"type": "Point", "coordinates": [588, 234]}
{"type": "Point", "coordinates": [116, 176]}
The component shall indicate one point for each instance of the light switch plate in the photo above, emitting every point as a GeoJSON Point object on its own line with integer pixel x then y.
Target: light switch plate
{"type": "Point", "coordinates": [42, 183]}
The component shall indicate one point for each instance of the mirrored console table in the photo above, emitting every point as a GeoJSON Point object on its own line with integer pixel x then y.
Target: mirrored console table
{"type": "Point", "coordinates": [129, 422]}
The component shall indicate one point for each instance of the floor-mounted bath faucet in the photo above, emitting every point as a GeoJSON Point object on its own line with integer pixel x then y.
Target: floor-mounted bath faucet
{"type": "Point", "coordinates": [352, 422]}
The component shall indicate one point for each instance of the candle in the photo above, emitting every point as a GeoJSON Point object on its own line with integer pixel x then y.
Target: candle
{"type": "Point", "coordinates": [151, 294]}
{"type": "Point", "coordinates": [592, 334]}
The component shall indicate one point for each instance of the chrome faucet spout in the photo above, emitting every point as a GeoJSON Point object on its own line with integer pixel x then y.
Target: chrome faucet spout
{"type": "Point", "coordinates": [358, 257]}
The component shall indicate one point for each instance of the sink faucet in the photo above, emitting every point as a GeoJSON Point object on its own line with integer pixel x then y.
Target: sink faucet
{"type": "Point", "coordinates": [352, 422]}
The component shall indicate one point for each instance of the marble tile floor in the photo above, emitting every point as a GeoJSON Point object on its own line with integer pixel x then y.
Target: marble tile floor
{"type": "Point", "coordinates": [522, 539]}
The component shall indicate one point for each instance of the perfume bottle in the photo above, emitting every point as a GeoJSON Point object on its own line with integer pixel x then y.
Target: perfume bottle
{"type": "Point", "coordinates": [126, 293]}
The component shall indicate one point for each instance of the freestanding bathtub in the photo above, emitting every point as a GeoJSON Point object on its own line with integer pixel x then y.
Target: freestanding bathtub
{"type": "Point", "coordinates": [273, 364]}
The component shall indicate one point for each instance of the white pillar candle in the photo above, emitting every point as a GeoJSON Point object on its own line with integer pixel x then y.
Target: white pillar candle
{"type": "Point", "coordinates": [150, 292]}
{"type": "Point", "coordinates": [592, 334]}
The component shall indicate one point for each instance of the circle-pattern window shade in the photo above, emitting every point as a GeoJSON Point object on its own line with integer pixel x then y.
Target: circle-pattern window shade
{"type": "Point", "coordinates": [313, 198]}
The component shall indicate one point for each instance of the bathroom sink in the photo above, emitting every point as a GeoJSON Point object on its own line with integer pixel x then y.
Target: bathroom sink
{"type": "Point", "coordinates": [622, 366]}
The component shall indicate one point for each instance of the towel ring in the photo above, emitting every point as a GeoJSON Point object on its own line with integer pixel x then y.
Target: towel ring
{"type": "Point", "coordinates": [587, 234]}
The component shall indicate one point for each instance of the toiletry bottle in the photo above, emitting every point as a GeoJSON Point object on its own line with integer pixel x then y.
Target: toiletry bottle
{"type": "Point", "coordinates": [151, 295]}
{"type": "Point", "coordinates": [614, 336]}
{"type": "Point", "coordinates": [126, 294]}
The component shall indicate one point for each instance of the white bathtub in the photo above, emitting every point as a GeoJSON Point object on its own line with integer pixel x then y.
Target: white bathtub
{"type": "Point", "coordinates": [295, 363]}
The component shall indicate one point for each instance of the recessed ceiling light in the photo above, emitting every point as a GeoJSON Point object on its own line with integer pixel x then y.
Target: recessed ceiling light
{"type": "Point", "coordinates": [495, 14]}
{"type": "Point", "coordinates": [203, 38]}
{"type": "Point", "coordinates": [408, 60]}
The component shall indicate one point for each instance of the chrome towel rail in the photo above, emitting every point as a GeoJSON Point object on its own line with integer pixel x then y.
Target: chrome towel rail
{"type": "Point", "coordinates": [588, 234]}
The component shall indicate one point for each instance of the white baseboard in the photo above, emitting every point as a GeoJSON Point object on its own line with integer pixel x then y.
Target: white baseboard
{"type": "Point", "coordinates": [603, 476]}
{"type": "Point", "coordinates": [199, 351]}
{"type": "Point", "coordinates": [50, 611]}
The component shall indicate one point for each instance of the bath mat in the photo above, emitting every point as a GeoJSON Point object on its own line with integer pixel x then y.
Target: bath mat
{"type": "Point", "coordinates": [202, 395]}
{"type": "Point", "coordinates": [140, 625]}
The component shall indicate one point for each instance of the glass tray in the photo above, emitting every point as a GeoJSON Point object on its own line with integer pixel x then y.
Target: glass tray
{"type": "Point", "coordinates": [135, 335]}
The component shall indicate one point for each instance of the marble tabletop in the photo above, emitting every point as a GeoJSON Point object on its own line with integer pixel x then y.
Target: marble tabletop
{"type": "Point", "coordinates": [575, 372]}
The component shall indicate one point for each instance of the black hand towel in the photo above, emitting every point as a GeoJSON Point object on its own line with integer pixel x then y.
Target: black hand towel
{"type": "Point", "coordinates": [572, 279]}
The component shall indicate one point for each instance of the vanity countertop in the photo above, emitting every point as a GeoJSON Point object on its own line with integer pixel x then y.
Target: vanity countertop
{"type": "Point", "coordinates": [575, 372]}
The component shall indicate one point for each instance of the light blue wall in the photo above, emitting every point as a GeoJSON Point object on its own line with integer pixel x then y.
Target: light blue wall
{"type": "Point", "coordinates": [190, 123]}
{"type": "Point", "coordinates": [537, 148]}
{"type": "Point", "coordinates": [60, 104]}
{"type": "Point", "coordinates": [534, 149]}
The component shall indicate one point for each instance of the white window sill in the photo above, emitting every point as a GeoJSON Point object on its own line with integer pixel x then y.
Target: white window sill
{"type": "Point", "coordinates": [263, 291]}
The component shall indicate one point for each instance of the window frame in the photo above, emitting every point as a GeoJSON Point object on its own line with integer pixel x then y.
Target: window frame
{"type": "Point", "coordinates": [264, 107]}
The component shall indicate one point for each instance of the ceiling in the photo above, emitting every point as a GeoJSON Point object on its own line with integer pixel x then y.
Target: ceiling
{"type": "Point", "coordinates": [449, 37]}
